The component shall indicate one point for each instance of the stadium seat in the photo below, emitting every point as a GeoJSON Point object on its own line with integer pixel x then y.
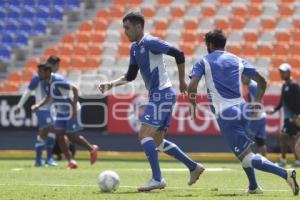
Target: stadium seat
{"type": "Point", "coordinates": [148, 13]}
{"type": "Point", "coordinates": [8, 39]}
{"type": "Point", "coordinates": [274, 75]}
{"type": "Point", "coordinates": [189, 37]}
{"type": "Point", "coordinates": [82, 38]}
{"type": "Point", "coordinates": [92, 63]}
{"type": "Point", "coordinates": [294, 62]}
{"type": "Point", "coordinates": [68, 39]}
{"type": "Point", "coordinates": [163, 3]}
{"type": "Point", "coordinates": [86, 26]}
{"type": "Point", "coordinates": [78, 62]}
{"type": "Point", "coordinates": [11, 87]}
{"type": "Point", "coordinates": [16, 3]}
{"type": "Point", "coordinates": [268, 24]}
{"type": "Point", "coordinates": [161, 25]}
{"type": "Point", "coordinates": [13, 12]}
{"type": "Point", "coordinates": [40, 27]}
{"type": "Point", "coordinates": [194, 3]}
{"type": "Point", "coordinates": [250, 36]}
{"type": "Point", "coordinates": [45, 3]}
{"type": "Point", "coordinates": [265, 50]}
{"type": "Point", "coordinates": [208, 11]}
{"type": "Point", "coordinates": [177, 13]}
{"type": "Point", "coordinates": [95, 51]}
{"type": "Point", "coordinates": [21, 40]}
{"type": "Point", "coordinates": [190, 25]}
{"type": "Point", "coordinates": [239, 11]}
{"type": "Point", "coordinates": [188, 49]}
{"type": "Point", "coordinates": [280, 50]}
{"type": "Point", "coordinates": [100, 25]}
{"type": "Point", "coordinates": [12, 25]}
{"type": "Point", "coordinates": [29, 2]}
{"type": "Point", "coordinates": [28, 12]}
{"type": "Point", "coordinates": [236, 23]}
{"type": "Point", "coordinates": [66, 50]}
{"type": "Point", "coordinates": [222, 23]}
{"type": "Point", "coordinates": [294, 50]}
{"type": "Point", "coordinates": [124, 50]}
{"type": "Point", "coordinates": [235, 49]}
{"type": "Point", "coordinates": [60, 3]}
{"type": "Point", "coordinates": [254, 10]}
{"type": "Point", "coordinates": [249, 50]}
{"type": "Point", "coordinates": [50, 51]}
{"type": "Point", "coordinates": [5, 53]}
{"type": "Point", "coordinates": [80, 50]}
{"type": "Point", "coordinates": [282, 37]}
{"type": "Point", "coordinates": [286, 10]}
{"type": "Point", "coordinates": [97, 38]}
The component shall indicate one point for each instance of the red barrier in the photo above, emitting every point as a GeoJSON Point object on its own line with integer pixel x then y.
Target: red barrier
{"type": "Point", "coordinates": [124, 111]}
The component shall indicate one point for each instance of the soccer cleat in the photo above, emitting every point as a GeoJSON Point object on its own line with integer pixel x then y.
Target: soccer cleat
{"type": "Point", "coordinates": [296, 163]}
{"type": "Point", "coordinates": [282, 162]}
{"type": "Point", "coordinates": [51, 162]}
{"type": "Point", "coordinates": [153, 185]}
{"type": "Point", "coordinates": [291, 180]}
{"type": "Point", "coordinates": [40, 164]}
{"type": "Point", "coordinates": [195, 174]}
{"type": "Point", "coordinates": [72, 165]}
{"type": "Point", "coordinates": [258, 190]}
{"type": "Point", "coordinates": [93, 154]}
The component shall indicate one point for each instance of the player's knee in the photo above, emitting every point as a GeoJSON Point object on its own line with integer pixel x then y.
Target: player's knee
{"type": "Point", "coordinates": [247, 160]}
{"type": "Point", "coordinates": [260, 142]}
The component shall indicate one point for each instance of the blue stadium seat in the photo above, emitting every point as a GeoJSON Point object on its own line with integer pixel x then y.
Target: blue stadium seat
{"type": "Point", "coordinates": [29, 2]}
{"type": "Point", "coordinates": [2, 13]}
{"type": "Point", "coordinates": [40, 27]}
{"type": "Point", "coordinates": [72, 4]}
{"type": "Point", "coordinates": [43, 13]}
{"type": "Point", "coordinates": [2, 27]}
{"type": "Point", "coordinates": [57, 14]}
{"type": "Point", "coordinates": [13, 12]}
{"type": "Point", "coordinates": [21, 39]}
{"type": "Point", "coordinates": [5, 53]}
{"type": "Point", "coordinates": [60, 3]}
{"type": "Point", "coordinates": [8, 39]}
{"type": "Point", "coordinates": [28, 12]}
{"type": "Point", "coordinates": [14, 3]}
{"type": "Point", "coordinates": [26, 26]}
{"type": "Point", "coordinates": [12, 25]}
{"type": "Point", "coordinates": [46, 3]}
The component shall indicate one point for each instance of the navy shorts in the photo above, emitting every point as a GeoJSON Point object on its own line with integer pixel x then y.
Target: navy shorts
{"type": "Point", "coordinates": [44, 118]}
{"type": "Point", "coordinates": [65, 122]}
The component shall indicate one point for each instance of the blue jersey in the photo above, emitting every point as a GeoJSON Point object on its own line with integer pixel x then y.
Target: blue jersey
{"type": "Point", "coordinates": [252, 90]}
{"type": "Point", "coordinates": [60, 91]}
{"type": "Point", "coordinates": [223, 71]}
{"type": "Point", "coordinates": [36, 84]}
{"type": "Point", "coordinates": [148, 56]}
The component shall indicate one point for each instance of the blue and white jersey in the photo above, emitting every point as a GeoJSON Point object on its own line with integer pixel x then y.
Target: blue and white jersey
{"type": "Point", "coordinates": [252, 90]}
{"type": "Point", "coordinates": [36, 84]}
{"type": "Point", "coordinates": [223, 71]}
{"type": "Point", "coordinates": [60, 91]}
{"type": "Point", "coordinates": [148, 56]}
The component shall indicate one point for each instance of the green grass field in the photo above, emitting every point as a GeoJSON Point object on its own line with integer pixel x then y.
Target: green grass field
{"type": "Point", "coordinates": [19, 180]}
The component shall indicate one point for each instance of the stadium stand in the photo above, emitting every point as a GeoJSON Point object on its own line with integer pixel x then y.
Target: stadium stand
{"type": "Point", "coordinates": [265, 32]}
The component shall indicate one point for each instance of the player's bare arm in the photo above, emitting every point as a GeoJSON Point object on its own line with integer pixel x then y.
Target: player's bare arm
{"type": "Point", "coordinates": [103, 87]}
{"type": "Point", "coordinates": [75, 100]}
{"type": "Point", "coordinates": [261, 87]}
{"type": "Point", "coordinates": [181, 73]}
{"type": "Point", "coordinates": [192, 93]}
{"type": "Point", "coordinates": [43, 102]}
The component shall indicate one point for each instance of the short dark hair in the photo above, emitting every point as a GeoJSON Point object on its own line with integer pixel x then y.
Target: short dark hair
{"type": "Point", "coordinates": [135, 17]}
{"type": "Point", "coordinates": [216, 37]}
{"type": "Point", "coordinates": [44, 66]}
{"type": "Point", "coordinates": [53, 60]}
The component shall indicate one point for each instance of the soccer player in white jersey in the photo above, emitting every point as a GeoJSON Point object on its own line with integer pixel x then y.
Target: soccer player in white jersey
{"type": "Point", "coordinates": [146, 55]}
{"type": "Point", "coordinates": [46, 137]}
{"type": "Point", "coordinates": [67, 120]}
{"type": "Point", "coordinates": [222, 72]}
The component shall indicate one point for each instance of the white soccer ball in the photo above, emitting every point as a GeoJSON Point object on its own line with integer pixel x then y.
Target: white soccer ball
{"type": "Point", "coordinates": [108, 181]}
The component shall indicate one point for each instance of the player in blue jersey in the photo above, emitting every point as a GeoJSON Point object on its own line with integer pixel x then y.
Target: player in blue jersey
{"type": "Point", "coordinates": [257, 126]}
{"type": "Point", "coordinates": [146, 55]}
{"type": "Point", "coordinates": [222, 71]}
{"type": "Point", "coordinates": [67, 107]}
{"type": "Point", "coordinates": [46, 135]}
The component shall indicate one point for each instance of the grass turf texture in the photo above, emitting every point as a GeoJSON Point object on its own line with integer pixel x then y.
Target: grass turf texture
{"type": "Point", "coordinates": [19, 180]}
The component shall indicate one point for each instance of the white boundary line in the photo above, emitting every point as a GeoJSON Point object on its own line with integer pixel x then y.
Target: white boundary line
{"type": "Point", "coordinates": [135, 187]}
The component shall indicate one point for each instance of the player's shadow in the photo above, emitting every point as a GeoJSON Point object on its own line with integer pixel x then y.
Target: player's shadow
{"type": "Point", "coordinates": [229, 194]}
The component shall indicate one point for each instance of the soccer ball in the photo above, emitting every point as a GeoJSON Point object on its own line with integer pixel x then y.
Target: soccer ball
{"type": "Point", "coordinates": [108, 181]}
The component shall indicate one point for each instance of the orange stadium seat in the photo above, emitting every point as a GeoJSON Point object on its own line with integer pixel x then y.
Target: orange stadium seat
{"type": "Point", "coordinates": [124, 38]}
{"type": "Point", "coordinates": [282, 37]}
{"type": "Point", "coordinates": [250, 37]}
{"type": "Point", "coordinates": [224, 2]}
{"type": "Point", "coordinates": [82, 37]}
{"type": "Point", "coordinates": [189, 37]}
{"type": "Point", "coordinates": [193, 3]}
{"type": "Point", "coordinates": [249, 50]}
{"type": "Point", "coordinates": [11, 87]}
{"type": "Point", "coordinates": [294, 62]}
{"type": "Point", "coordinates": [103, 14]}
{"type": "Point", "coordinates": [265, 50]}
{"type": "Point", "coordinates": [92, 63]}
{"type": "Point", "coordinates": [65, 63]}
{"type": "Point", "coordinates": [296, 36]}
{"type": "Point", "coordinates": [163, 3]}
{"type": "Point", "coordinates": [208, 12]}
{"type": "Point", "coordinates": [148, 12]}
{"type": "Point", "coordinates": [268, 24]}
{"type": "Point", "coordinates": [68, 39]}
{"type": "Point", "coordinates": [116, 13]}
{"type": "Point", "coordinates": [50, 51]}
{"type": "Point", "coordinates": [32, 64]}
{"type": "Point", "coordinates": [235, 49]}
{"type": "Point", "coordinates": [161, 25]}
{"type": "Point", "coordinates": [236, 23]}
{"type": "Point", "coordinates": [177, 13]}
{"type": "Point", "coordinates": [222, 24]}
{"type": "Point", "coordinates": [280, 50]}
{"type": "Point", "coordinates": [80, 50]}
{"type": "Point", "coordinates": [97, 38]}
{"type": "Point", "coordinates": [126, 3]}
{"type": "Point", "coordinates": [277, 61]}
{"type": "Point", "coordinates": [86, 26]}
{"type": "Point", "coordinates": [254, 10]}
{"type": "Point", "coordinates": [285, 10]}
{"type": "Point", "coordinates": [65, 50]}
{"type": "Point", "coordinates": [78, 62]}
{"type": "Point", "coordinates": [274, 75]}
{"type": "Point", "coordinates": [296, 24]}
{"type": "Point", "coordinates": [159, 33]}
{"type": "Point", "coordinates": [239, 11]}
{"type": "Point", "coordinates": [295, 50]}
{"type": "Point", "coordinates": [188, 49]}
{"type": "Point", "coordinates": [15, 77]}
{"type": "Point", "coordinates": [95, 50]}
{"type": "Point", "coordinates": [190, 25]}
{"type": "Point", "coordinates": [287, 1]}
{"type": "Point", "coordinates": [124, 50]}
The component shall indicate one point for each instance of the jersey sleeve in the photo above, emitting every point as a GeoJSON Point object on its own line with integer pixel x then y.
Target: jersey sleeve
{"type": "Point", "coordinates": [198, 69]}
{"type": "Point", "coordinates": [132, 56]}
{"type": "Point", "coordinates": [34, 82]}
{"type": "Point", "coordinates": [253, 88]}
{"type": "Point", "coordinates": [249, 70]}
{"type": "Point", "coordinates": [158, 46]}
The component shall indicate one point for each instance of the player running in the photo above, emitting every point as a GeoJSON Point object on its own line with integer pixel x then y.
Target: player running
{"type": "Point", "coordinates": [222, 71]}
{"type": "Point", "coordinates": [67, 109]}
{"type": "Point", "coordinates": [146, 55]}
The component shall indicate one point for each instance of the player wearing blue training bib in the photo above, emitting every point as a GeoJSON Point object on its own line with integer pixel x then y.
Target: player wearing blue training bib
{"type": "Point", "coordinates": [222, 72]}
{"type": "Point", "coordinates": [146, 56]}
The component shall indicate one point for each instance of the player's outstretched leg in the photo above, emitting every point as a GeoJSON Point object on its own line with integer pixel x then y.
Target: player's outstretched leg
{"type": "Point", "coordinates": [39, 147]}
{"type": "Point", "coordinates": [253, 188]}
{"type": "Point", "coordinates": [49, 146]}
{"type": "Point", "coordinates": [157, 182]}
{"type": "Point", "coordinates": [173, 150]}
{"type": "Point", "coordinates": [259, 162]}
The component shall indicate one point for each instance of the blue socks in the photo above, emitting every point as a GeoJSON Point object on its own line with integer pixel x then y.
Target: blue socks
{"type": "Point", "coordinates": [152, 155]}
{"type": "Point", "coordinates": [39, 146]}
{"type": "Point", "coordinates": [173, 150]}
{"type": "Point", "coordinates": [261, 163]}
{"type": "Point", "coordinates": [49, 145]}
{"type": "Point", "coordinates": [251, 177]}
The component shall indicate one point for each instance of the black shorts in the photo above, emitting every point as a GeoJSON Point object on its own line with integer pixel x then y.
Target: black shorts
{"type": "Point", "coordinates": [290, 128]}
